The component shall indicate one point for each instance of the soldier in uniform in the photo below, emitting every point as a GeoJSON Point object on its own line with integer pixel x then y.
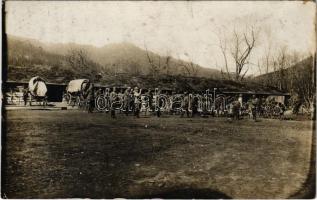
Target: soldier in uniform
{"type": "Point", "coordinates": [195, 105]}
{"type": "Point", "coordinates": [91, 98]}
{"type": "Point", "coordinates": [282, 110]}
{"type": "Point", "coordinates": [150, 97]}
{"type": "Point", "coordinates": [113, 95]}
{"type": "Point", "coordinates": [120, 97]}
{"type": "Point", "coordinates": [254, 106]}
{"type": "Point", "coordinates": [137, 101]}
{"type": "Point", "coordinates": [185, 105]}
{"type": "Point", "coordinates": [25, 96]}
{"type": "Point", "coordinates": [126, 100]}
{"type": "Point", "coordinates": [99, 92]}
{"type": "Point", "coordinates": [130, 100]}
{"type": "Point", "coordinates": [236, 106]}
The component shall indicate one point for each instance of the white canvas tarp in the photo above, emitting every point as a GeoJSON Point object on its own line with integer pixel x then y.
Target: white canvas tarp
{"type": "Point", "coordinates": [76, 85]}
{"type": "Point", "coordinates": [37, 87]}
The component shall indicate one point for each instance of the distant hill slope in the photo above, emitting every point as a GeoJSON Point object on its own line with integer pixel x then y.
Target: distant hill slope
{"type": "Point", "coordinates": [307, 62]}
{"type": "Point", "coordinates": [29, 57]}
{"type": "Point", "coordinates": [191, 84]}
{"type": "Point", "coordinates": [286, 79]}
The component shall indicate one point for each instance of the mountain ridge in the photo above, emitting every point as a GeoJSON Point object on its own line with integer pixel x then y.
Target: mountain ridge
{"type": "Point", "coordinates": [119, 57]}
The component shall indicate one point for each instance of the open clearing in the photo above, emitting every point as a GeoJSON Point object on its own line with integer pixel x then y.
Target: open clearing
{"type": "Point", "coordinates": [63, 154]}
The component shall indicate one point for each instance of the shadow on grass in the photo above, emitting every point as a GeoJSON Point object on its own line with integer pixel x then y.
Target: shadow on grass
{"type": "Point", "coordinates": [308, 189]}
{"type": "Point", "coordinates": [188, 193]}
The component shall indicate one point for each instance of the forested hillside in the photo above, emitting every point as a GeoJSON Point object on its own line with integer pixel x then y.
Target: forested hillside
{"type": "Point", "coordinates": [299, 80]}
{"type": "Point", "coordinates": [63, 62]}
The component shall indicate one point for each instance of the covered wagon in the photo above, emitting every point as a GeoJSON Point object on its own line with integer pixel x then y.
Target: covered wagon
{"type": "Point", "coordinates": [76, 91]}
{"type": "Point", "coordinates": [37, 90]}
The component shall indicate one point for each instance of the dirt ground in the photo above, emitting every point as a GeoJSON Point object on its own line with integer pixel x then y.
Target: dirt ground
{"type": "Point", "coordinates": [68, 154]}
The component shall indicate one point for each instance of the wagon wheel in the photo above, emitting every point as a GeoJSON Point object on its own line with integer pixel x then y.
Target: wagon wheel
{"type": "Point", "coordinates": [145, 106]}
{"type": "Point", "coordinates": [268, 112]}
{"type": "Point", "coordinates": [200, 102]}
{"type": "Point", "coordinates": [30, 100]}
{"type": "Point", "coordinates": [117, 103]}
{"type": "Point", "coordinates": [102, 103]}
{"type": "Point", "coordinates": [45, 102]}
{"type": "Point", "coordinates": [68, 98]}
{"type": "Point", "coordinates": [276, 111]}
{"type": "Point", "coordinates": [176, 103]}
{"type": "Point", "coordinates": [72, 100]}
{"type": "Point", "coordinates": [77, 102]}
{"type": "Point", "coordinates": [85, 104]}
{"type": "Point", "coordinates": [162, 102]}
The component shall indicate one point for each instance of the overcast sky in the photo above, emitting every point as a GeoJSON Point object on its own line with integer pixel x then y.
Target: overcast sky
{"type": "Point", "coordinates": [182, 29]}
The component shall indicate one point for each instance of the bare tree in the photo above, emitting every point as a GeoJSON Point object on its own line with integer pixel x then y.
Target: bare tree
{"type": "Point", "coordinates": [295, 75]}
{"type": "Point", "coordinates": [240, 46]}
{"type": "Point", "coordinates": [303, 85]}
{"type": "Point", "coordinates": [300, 80]}
{"type": "Point", "coordinates": [241, 49]}
{"type": "Point", "coordinates": [223, 47]}
{"type": "Point", "coordinates": [265, 63]}
{"type": "Point", "coordinates": [162, 65]}
{"type": "Point", "coordinates": [81, 65]}
{"type": "Point", "coordinates": [167, 62]}
{"type": "Point", "coordinates": [77, 59]}
{"type": "Point", "coordinates": [134, 68]}
{"type": "Point", "coordinates": [259, 65]}
{"type": "Point", "coordinates": [190, 68]}
{"type": "Point", "coordinates": [267, 57]}
{"type": "Point", "coordinates": [154, 68]}
{"type": "Point", "coordinates": [280, 63]}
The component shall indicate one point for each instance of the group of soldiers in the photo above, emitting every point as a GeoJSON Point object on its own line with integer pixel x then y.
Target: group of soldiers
{"type": "Point", "coordinates": [236, 109]}
{"type": "Point", "coordinates": [257, 107]}
{"type": "Point", "coordinates": [26, 97]}
{"type": "Point", "coordinates": [130, 100]}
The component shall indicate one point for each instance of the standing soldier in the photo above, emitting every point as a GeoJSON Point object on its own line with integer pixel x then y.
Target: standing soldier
{"type": "Point", "coordinates": [195, 105]}
{"type": "Point", "coordinates": [150, 102]}
{"type": "Point", "coordinates": [185, 105]}
{"type": "Point", "coordinates": [120, 94]}
{"type": "Point", "coordinates": [99, 92]}
{"type": "Point", "coordinates": [25, 96]}
{"type": "Point", "coordinates": [12, 95]}
{"type": "Point", "coordinates": [282, 110]}
{"type": "Point", "coordinates": [157, 107]}
{"type": "Point", "coordinates": [137, 101]}
{"type": "Point", "coordinates": [254, 106]}
{"type": "Point", "coordinates": [120, 98]}
{"type": "Point", "coordinates": [236, 106]}
{"type": "Point", "coordinates": [91, 98]}
{"type": "Point", "coordinates": [113, 95]}
{"type": "Point", "coordinates": [131, 100]}
{"type": "Point", "coordinates": [205, 106]}
{"type": "Point", "coordinates": [126, 100]}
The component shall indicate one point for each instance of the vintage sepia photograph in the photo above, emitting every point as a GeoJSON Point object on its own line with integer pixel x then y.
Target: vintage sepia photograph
{"type": "Point", "coordinates": [158, 99]}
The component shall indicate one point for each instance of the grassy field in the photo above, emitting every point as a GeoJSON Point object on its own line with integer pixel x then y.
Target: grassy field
{"type": "Point", "coordinates": [63, 154]}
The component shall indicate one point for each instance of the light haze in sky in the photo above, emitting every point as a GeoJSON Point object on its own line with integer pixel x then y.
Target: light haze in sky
{"type": "Point", "coordinates": [182, 29]}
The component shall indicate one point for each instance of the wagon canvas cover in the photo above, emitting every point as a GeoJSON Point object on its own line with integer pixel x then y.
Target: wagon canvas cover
{"type": "Point", "coordinates": [37, 87]}
{"type": "Point", "coordinates": [75, 85]}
